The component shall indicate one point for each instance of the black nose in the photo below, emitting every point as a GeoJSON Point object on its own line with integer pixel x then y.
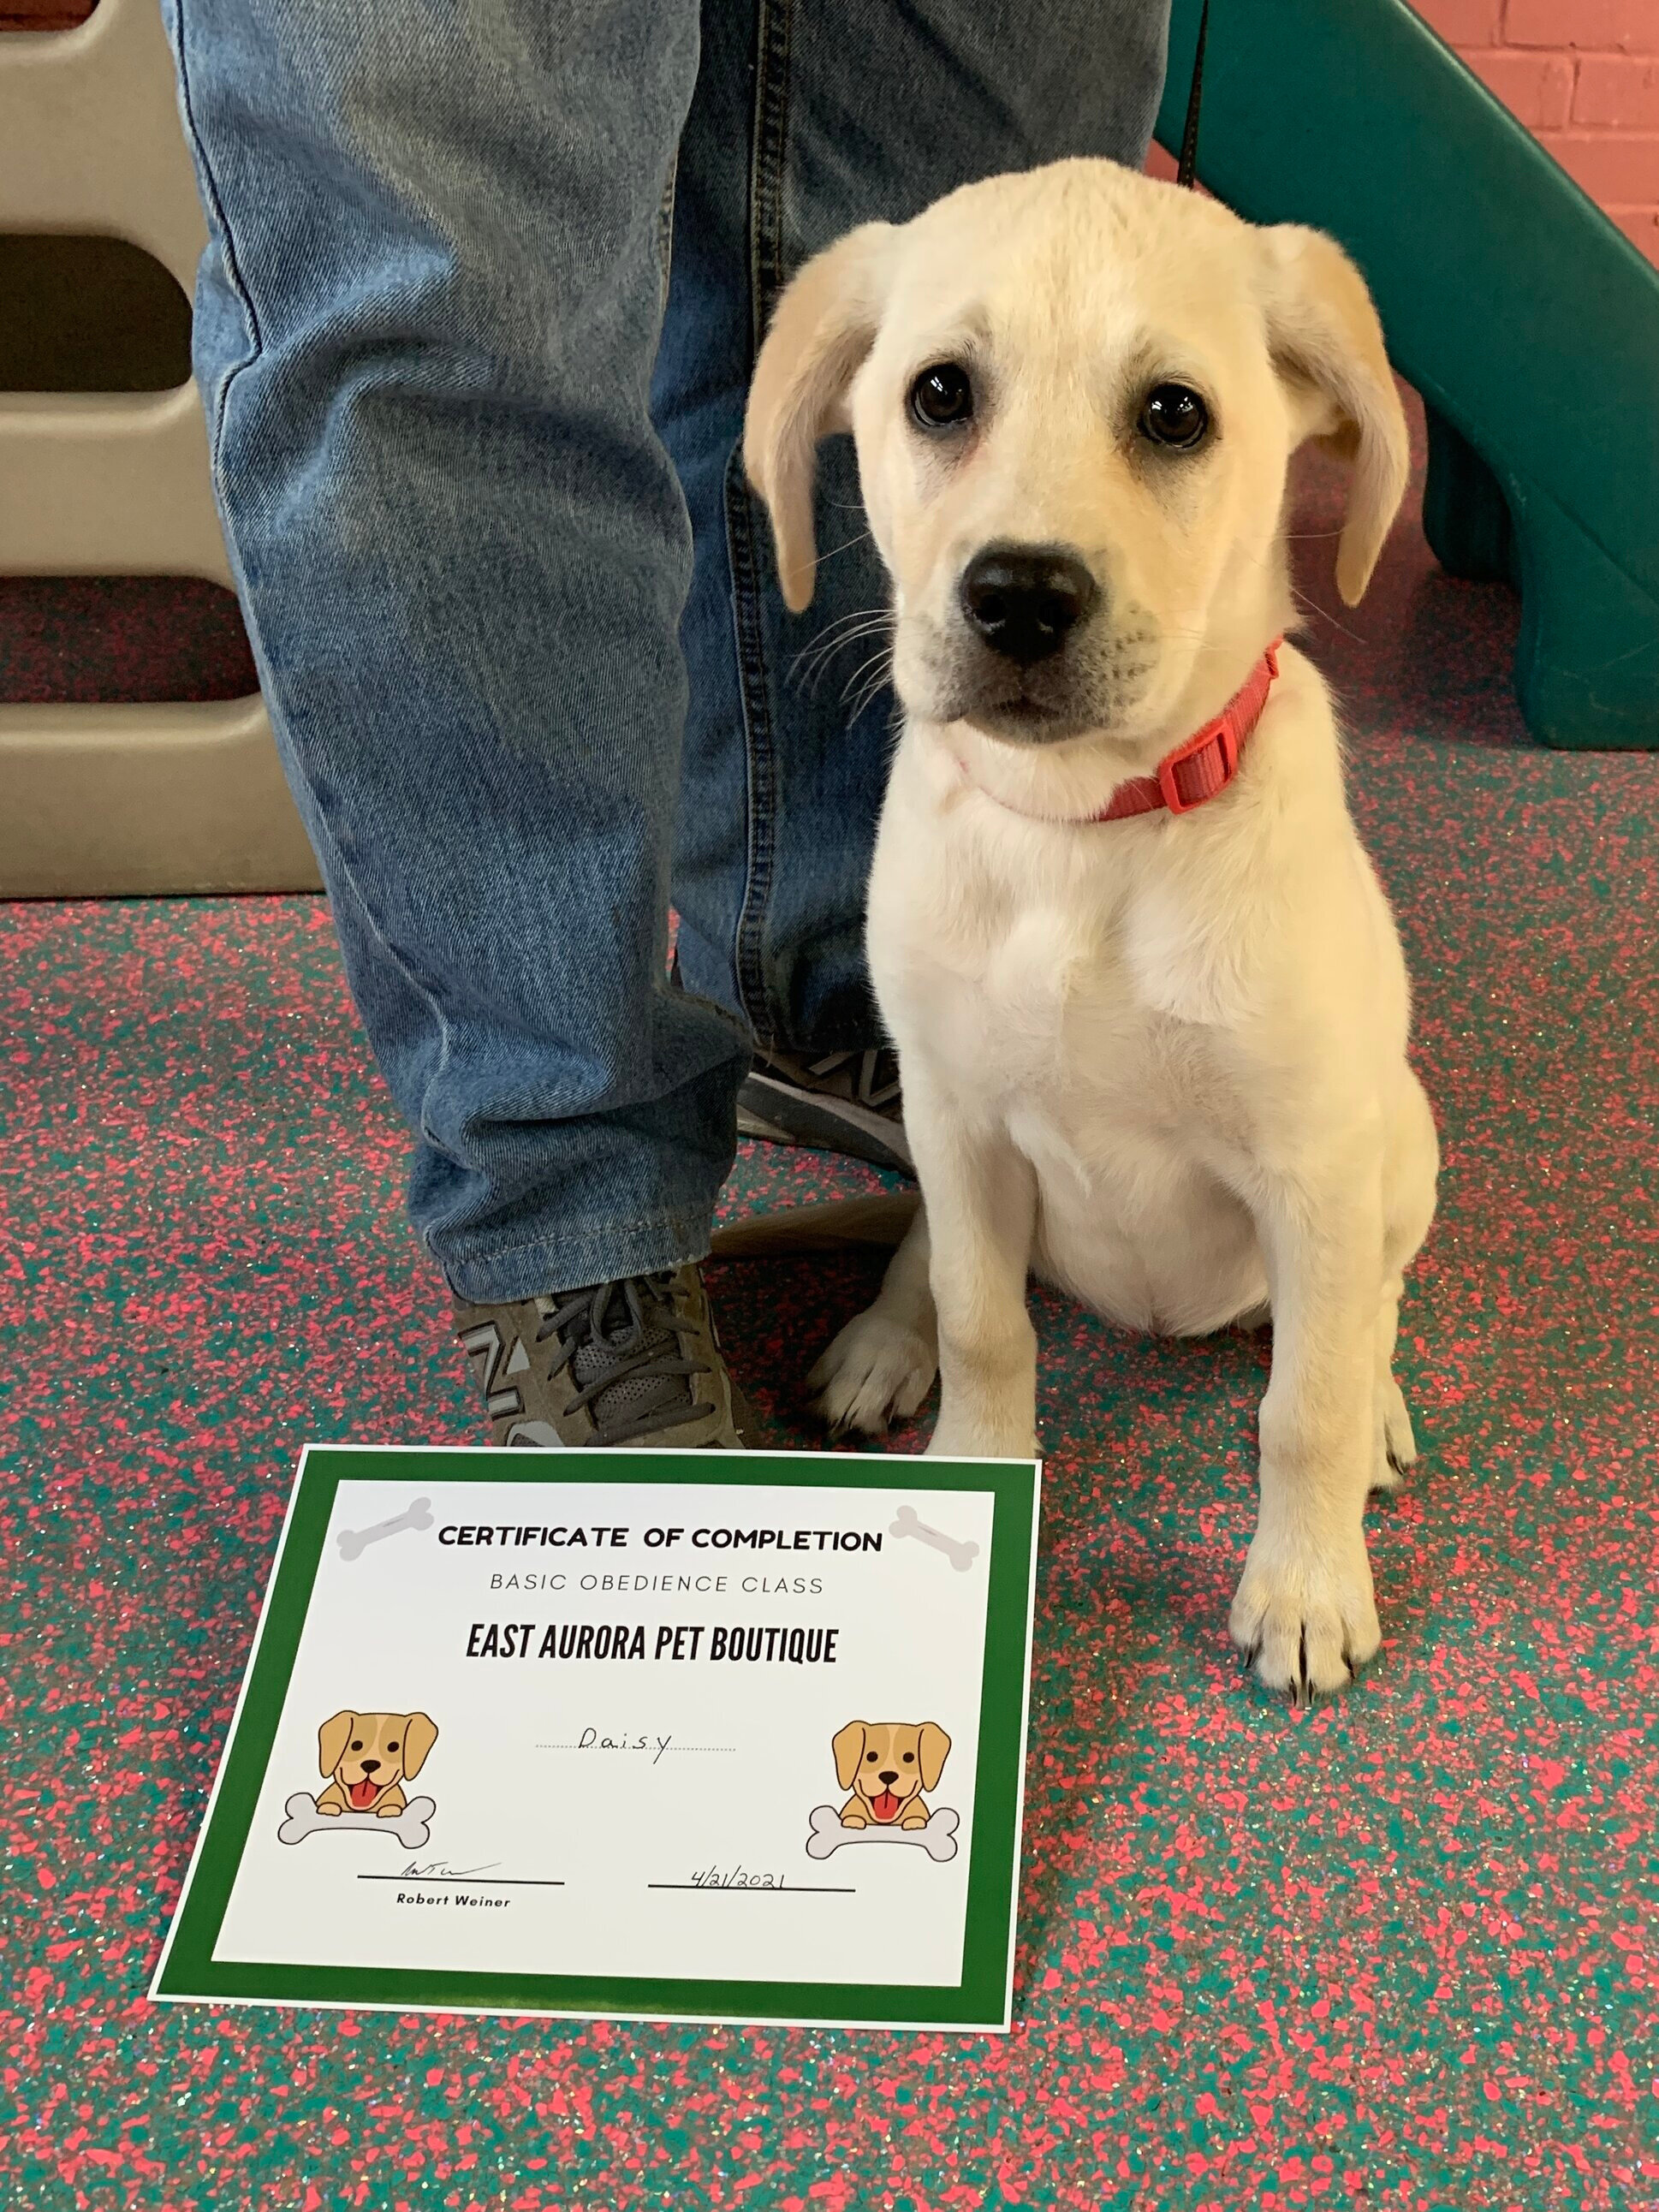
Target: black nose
{"type": "Point", "coordinates": [890, 1777]}
{"type": "Point", "coordinates": [371, 1766]}
{"type": "Point", "coordinates": [1026, 601]}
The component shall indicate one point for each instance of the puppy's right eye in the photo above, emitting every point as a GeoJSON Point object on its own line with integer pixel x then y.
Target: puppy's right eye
{"type": "Point", "coordinates": [357, 1743]}
{"type": "Point", "coordinates": [869, 1758]}
{"type": "Point", "coordinates": [1174, 416]}
{"type": "Point", "coordinates": [942, 397]}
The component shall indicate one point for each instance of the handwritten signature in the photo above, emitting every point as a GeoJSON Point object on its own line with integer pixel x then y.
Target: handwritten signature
{"type": "Point", "coordinates": [435, 1869]}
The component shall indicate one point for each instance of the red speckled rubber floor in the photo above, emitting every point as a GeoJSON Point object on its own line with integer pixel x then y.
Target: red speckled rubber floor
{"type": "Point", "coordinates": [1397, 1953]}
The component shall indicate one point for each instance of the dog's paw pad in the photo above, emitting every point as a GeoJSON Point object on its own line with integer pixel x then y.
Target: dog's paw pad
{"type": "Point", "coordinates": [1305, 1620]}
{"type": "Point", "coordinates": [876, 1372]}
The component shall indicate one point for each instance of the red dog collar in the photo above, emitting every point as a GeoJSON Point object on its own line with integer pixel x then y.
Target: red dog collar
{"type": "Point", "coordinates": [1206, 764]}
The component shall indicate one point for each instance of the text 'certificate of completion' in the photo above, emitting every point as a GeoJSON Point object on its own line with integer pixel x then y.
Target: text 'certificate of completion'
{"type": "Point", "coordinates": [653, 1734]}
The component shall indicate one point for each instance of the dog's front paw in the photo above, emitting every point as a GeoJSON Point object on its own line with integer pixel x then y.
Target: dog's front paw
{"type": "Point", "coordinates": [329, 1812]}
{"type": "Point", "coordinates": [919, 1822]}
{"type": "Point", "coordinates": [853, 1820]}
{"type": "Point", "coordinates": [1306, 1615]}
{"type": "Point", "coordinates": [389, 1812]}
{"type": "Point", "coordinates": [876, 1372]}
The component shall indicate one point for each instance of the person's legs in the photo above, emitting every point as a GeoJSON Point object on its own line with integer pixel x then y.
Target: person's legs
{"type": "Point", "coordinates": [811, 116]}
{"type": "Point", "coordinates": [425, 329]}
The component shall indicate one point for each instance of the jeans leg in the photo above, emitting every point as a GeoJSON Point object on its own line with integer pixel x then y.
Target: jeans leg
{"type": "Point", "coordinates": [811, 115]}
{"type": "Point", "coordinates": [426, 324]}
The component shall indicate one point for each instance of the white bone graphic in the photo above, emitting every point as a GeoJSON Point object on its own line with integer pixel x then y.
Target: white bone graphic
{"type": "Point", "coordinates": [416, 1514]}
{"type": "Point", "coordinates": [411, 1826]}
{"type": "Point", "coordinates": [961, 1554]}
{"type": "Point", "coordinates": [938, 1838]}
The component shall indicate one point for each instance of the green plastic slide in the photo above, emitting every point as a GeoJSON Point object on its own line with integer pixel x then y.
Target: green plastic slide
{"type": "Point", "coordinates": [1529, 324]}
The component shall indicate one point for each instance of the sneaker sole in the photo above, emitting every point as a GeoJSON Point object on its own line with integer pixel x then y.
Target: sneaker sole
{"type": "Point", "coordinates": [779, 1113]}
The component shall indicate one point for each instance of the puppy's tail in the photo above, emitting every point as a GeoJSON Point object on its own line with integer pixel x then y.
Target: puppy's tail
{"type": "Point", "coordinates": [884, 1220]}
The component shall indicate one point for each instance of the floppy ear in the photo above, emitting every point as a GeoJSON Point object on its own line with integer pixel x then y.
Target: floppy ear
{"type": "Point", "coordinates": [333, 1738]}
{"type": "Point", "coordinates": [824, 326]}
{"type": "Point", "coordinates": [1327, 347]}
{"type": "Point", "coordinates": [934, 1750]}
{"type": "Point", "coordinates": [419, 1735]}
{"type": "Point", "coordinates": [848, 1744]}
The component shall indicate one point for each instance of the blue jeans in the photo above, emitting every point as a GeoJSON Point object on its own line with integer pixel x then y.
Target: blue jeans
{"type": "Point", "coordinates": [474, 329]}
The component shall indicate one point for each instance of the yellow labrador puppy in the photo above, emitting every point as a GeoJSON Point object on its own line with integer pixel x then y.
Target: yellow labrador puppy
{"type": "Point", "coordinates": [1147, 991]}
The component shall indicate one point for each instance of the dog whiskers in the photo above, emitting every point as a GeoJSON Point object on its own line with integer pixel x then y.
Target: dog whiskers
{"type": "Point", "coordinates": [871, 678]}
{"type": "Point", "coordinates": [812, 662]}
{"type": "Point", "coordinates": [1312, 607]}
{"type": "Point", "coordinates": [846, 546]}
{"type": "Point", "coordinates": [837, 633]}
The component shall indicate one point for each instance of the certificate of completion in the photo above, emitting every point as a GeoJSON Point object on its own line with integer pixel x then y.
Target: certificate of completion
{"type": "Point", "coordinates": [654, 1735]}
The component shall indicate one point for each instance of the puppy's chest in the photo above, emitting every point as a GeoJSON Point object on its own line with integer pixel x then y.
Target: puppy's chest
{"type": "Point", "coordinates": [1040, 1001]}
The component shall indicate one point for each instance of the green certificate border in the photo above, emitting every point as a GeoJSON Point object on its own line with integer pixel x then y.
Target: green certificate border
{"type": "Point", "coordinates": [982, 1999]}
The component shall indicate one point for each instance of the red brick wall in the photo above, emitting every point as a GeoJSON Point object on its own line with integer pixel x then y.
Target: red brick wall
{"type": "Point", "coordinates": [1583, 76]}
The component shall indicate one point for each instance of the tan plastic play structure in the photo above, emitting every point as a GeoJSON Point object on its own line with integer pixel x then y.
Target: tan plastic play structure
{"type": "Point", "coordinates": [100, 800]}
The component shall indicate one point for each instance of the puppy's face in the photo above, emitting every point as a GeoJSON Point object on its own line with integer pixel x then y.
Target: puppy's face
{"type": "Point", "coordinates": [888, 1762]}
{"type": "Point", "coordinates": [1073, 395]}
{"type": "Point", "coordinates": [366, 1753]}
{"type": "Point", "coordinates": [1067, 429]}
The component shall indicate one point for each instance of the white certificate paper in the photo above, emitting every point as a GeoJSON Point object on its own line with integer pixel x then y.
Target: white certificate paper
{"type": "Point", "coordinates": [655, 1735]}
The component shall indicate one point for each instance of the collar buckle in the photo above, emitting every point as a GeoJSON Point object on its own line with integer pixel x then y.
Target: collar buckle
{"type": "Point", "coordinates": [1220, 734]}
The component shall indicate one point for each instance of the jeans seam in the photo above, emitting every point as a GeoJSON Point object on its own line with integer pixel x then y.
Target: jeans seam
{"type": "Point", "coordinates": [747, 570]}
{"type": "Point", "coordinates": [311, 810]}
{"type": "Point", "coordinates": [748, 950]}
{"type": "Point", "coordinates": [321, 831]}
{"type": "Point", "coordinates": [767, 165]}
{"type": "Point", "coordinates": [227, 254]}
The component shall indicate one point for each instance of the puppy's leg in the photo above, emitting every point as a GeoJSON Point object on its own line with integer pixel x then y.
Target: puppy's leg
{"type": "Point", "coordinates": [1412, 1166]}
{"type": "Point", "coordinates": [1306, 1612]}
{"type": "Point", "coordinates": [391, 1804]}
{"type": "Point", "coordinates": [981, 1214]}
{"type": "Point", "coordinates": [852, 1814]}
{"type": "Point", "coordinates": [915, 1814]}
{"type": "Point", "coordinates": [882, 1365]}
{"type": "Point", "coordinates": [332, 1801]}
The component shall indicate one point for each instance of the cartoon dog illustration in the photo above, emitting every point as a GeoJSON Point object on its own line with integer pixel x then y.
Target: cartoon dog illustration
{"type": "Point", "coordinates": [367, 1755]}
{"type": "Point", "coordinates": [887, 1765]}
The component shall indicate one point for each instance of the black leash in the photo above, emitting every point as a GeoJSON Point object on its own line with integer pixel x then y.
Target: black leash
{"type": "Point", "coordinates": [1187, 168]}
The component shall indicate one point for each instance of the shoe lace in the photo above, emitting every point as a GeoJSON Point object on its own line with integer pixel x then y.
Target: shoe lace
{"type": "Point", "coordinates": [627, 1337]}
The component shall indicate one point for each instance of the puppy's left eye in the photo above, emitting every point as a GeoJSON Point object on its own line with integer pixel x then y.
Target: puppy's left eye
{"type": "Point", "coordinates": [1174, 414]}
{"type": "Point", "coordinates": [942, 397]}
{"type": "Point", "coordinates": [392, 1746]}
{"type": "Point", "coordinates": [909, 1758]}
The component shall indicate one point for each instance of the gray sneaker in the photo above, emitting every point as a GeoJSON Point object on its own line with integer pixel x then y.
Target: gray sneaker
{"type": "Point", "coordinates": [632, 1363]}
{"type": "Point", "coordinates": [843, 1102]}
